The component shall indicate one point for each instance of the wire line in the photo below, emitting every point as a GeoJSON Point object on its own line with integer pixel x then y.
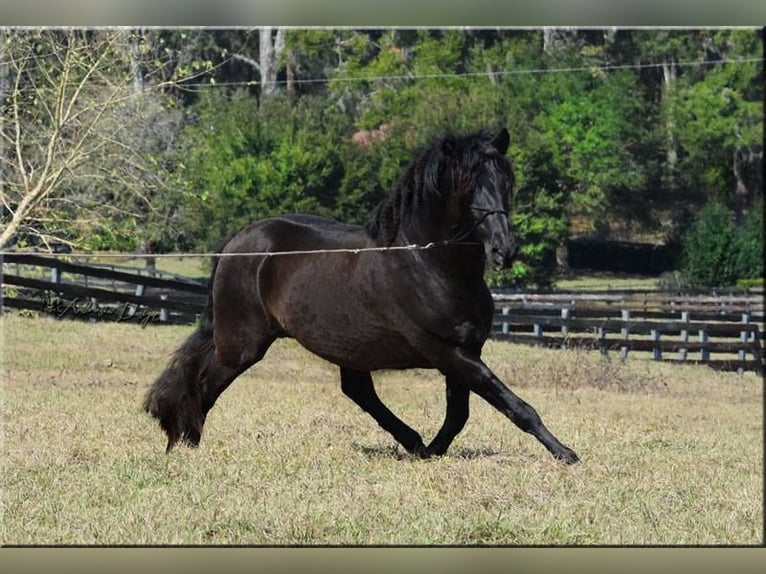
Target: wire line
{"type": "Point", "coordinates": [353, 250]}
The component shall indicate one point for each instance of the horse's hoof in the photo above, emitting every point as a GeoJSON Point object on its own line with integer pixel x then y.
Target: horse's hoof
{"type": "Point", "coordinates": [568, 456]}
{"type": "Point", "coordinates": [421, 451]}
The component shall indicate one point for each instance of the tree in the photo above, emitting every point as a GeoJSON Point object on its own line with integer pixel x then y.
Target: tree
{"type": "Point", "coordinates": [181, 135]}
{"type": "Point", "coordinates": [240, 161]}
{"type": "Point", "coordinates": [271, 45]}
{"type": "Point", "coordinates": [716, 253]}
{"type": "Point", "coordinates": [596, 133]}
{"type": "Point", "coordinates": [72, 122]}
{"type": "Point", "coordinates": [707, 86]}
{"type": "Point", "coordinates": [719, 119]}
{"type": "Point", "coordinates": [662, 51]}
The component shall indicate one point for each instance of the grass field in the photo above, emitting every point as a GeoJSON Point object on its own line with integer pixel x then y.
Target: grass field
{"type": "Point", "coordinates": [671, 454]}
{"type": "Point", "coordinates": [604, 281]}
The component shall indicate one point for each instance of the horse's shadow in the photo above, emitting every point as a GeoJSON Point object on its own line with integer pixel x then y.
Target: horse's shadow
{"type": "Point", "coordinates": [394, 452]}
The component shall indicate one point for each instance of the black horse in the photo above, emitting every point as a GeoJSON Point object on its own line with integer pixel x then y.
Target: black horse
{"type": "Point", "coordinates": [422, 302]}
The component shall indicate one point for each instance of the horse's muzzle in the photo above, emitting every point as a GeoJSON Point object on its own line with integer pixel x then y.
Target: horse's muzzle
{"type": "Point", "coordinates": [501, 253]}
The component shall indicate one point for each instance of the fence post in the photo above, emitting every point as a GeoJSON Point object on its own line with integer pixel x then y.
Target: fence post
{"type": "Point", "coordinates": [657, 349]}
{"type": "Point", "coordinates": [602, 341]}
{"type": "Point", "coordinates": [624, 332]}
{"type": "Point", "coordinates": [163, 311]}
{"type": "Point", "coordinates": [505, 327]}
{"type": "Point", "coordinates": [704, 353]}
{"type": "Point", "coordinates": [151, 265]}
{"type": "Point", "coordinates": [566, 314]}
{"type": "Point", "coordinates": [682, 353]}
{"type": "Point", "coordinates": [744, 338]}
{"type": "Point", "coordinates": [94, 314]}
{"type": "Point", "coordinates": [55, 275]}
{"type": "Point", "coordinates": [140, 290]}
{"type": "Point", "coordinates": [746, 335]}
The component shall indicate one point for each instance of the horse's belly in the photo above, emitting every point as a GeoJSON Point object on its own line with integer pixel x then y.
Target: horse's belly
{"type": "Point", "coordinates": [340, 323]}
{"type": "Point", "coordinates": [361, 349]}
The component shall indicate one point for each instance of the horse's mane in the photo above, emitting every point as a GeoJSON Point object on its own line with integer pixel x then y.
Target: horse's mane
{"type": "Point", "coordinates": [419, 181]}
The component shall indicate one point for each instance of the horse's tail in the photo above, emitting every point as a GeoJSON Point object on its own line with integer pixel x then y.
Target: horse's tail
{"type": "Point", "coordinates": [175, 398]}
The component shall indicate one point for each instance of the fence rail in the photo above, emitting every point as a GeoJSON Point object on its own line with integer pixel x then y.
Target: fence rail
{"type": "Point", "coordinates": [722, 330]}
{"type": "Point", "coordinates": [99, 292]}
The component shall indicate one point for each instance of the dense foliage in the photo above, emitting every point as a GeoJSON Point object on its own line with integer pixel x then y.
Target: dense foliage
{"type": "Point", "coordinates": [616, 133]}
{"type": "Point", "coordinates": [716, 253]}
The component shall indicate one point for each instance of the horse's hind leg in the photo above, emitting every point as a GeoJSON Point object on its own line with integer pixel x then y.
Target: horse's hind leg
{"type": "Point", "coordinates": [220, 375]}
{"type": "Point", "coordinates": [357, 385]}
{"type": "Point", "coordinates": [213, 381]}
{"type": "Point", "coordinates": [454, 420]}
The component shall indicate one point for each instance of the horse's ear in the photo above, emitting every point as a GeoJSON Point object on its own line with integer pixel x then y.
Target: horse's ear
{"type": "Point", "coordinates": [501, 141]}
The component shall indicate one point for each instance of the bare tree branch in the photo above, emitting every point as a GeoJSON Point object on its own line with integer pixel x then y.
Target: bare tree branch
{"type": "Point", "coordinates": [248, 61]}
{"type": "Point", "coordinates": [71, 105]}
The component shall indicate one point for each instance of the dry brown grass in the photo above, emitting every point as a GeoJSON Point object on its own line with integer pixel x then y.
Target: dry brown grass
{"type": "Point", "coordinates": [671, 454]}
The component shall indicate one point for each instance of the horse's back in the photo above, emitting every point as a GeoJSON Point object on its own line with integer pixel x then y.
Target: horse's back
{"type": "Point", "coordinates": [269, 253]}
{"type": "Point", "coordinates": [297, 232]}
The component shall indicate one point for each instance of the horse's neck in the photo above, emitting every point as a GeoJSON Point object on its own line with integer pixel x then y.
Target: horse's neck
{"type": "Point", "coordinates": [425, 225]}
{"type": "Point", "coordinates": [440, 252]}
{"type": "Point", "coordinates": [418, 233]}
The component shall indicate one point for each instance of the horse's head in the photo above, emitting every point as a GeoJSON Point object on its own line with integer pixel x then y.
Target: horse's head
{"type": "Point", "coordinates": [482, 179]}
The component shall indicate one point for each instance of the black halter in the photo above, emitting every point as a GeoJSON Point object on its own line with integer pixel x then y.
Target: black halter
{"type": "Point", "coordinates": [461, 235]}
{"type": "Point", "coordinates": [487, 212]}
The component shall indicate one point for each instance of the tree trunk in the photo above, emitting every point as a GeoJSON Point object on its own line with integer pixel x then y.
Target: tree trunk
{"type": "Point", "coordinates": [669, 76]}
{"type": "Point", "coordinates": [271, 46]}
{"type": "Point", "coordinates": [134, 47]}
{"type": "Point", "coordinates": [562, 260]}
{"type": "Point", "coordinates": [5, 88]}
{"type": "Point", "coordinates": [748, 171]}
{"type": "Point", "coordinates": [290, 77]}
{"type": "Point", "coordinates": [610, 35]}
{"type": "Point", "coordinates": [556, 38]}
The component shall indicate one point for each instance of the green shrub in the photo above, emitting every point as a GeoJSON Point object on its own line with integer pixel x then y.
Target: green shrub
{"type": "Point", "coordinates": [518, 275]}
{"type": "Point", "coordinates": [716, 253]}
{"type": "Point", "coordinates": [111, 239]}
{"type": "Point", "coordinates": [748, 245]}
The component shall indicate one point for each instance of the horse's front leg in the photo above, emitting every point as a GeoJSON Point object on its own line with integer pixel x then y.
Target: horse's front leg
{"type": "Point", "coordinates": [358, 387]}
{"type": "Point", "coordinates": [473, 373]}
{"type": "Point", "coordinates": [454, 420]}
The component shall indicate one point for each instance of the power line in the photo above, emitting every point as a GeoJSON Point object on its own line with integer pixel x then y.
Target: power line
{"type": "Point", "coordinates": [448, 75]}
{"type": "Point", "coordinates": [350, 250]}
{"type": "Point", "coordinates": [494, 73]}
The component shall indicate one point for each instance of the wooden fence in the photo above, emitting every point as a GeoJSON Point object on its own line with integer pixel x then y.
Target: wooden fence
{"type": "Point", "coordinates": [719, 330]}
{"type": "Point", "coordinates": [722, 330]}
{"type": "Point", "coordinates": [99, 292]}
